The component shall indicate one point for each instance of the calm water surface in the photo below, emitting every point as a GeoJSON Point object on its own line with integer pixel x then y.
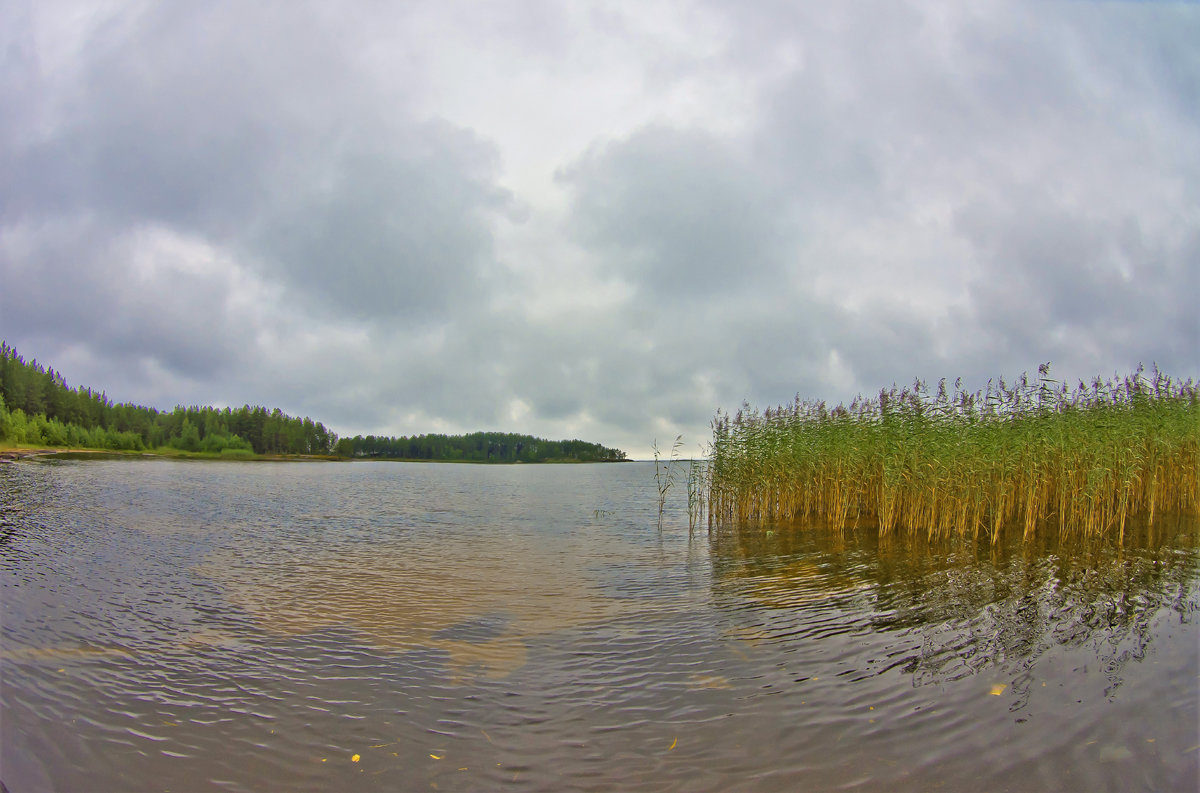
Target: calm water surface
{"type": "Point", "coordinates": [379, 626]}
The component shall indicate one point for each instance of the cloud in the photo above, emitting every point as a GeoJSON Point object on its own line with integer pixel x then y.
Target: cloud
{"type": "Point", "coordinates": [394, 225]}
{"type": "Point", "coordinates": [588, 220]}
{"type": "Point", "coordinates": [676, 212]}
{"type": "Point", "coordinates": [244, 134]}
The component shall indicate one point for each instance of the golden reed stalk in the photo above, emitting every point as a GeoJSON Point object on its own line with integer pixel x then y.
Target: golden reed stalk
{"type": "Point", "coordinates": [1033, 456]}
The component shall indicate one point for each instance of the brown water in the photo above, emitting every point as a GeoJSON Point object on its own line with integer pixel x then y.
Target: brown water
{"type": "Point", "coordinates": [371, 626]}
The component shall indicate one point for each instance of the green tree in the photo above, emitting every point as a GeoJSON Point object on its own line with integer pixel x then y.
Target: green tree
{"type": "Point", "coordinates": [189, 437]}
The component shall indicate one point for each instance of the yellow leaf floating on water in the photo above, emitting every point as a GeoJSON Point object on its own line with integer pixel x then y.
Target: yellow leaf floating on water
{"type": "Point", "coordinates": [435, 757]}
{"type": "Point", "coordinates": [355, 759]}
{"type": "Point", "coordinates": [998, 689]}
{"type": "Point", "coordinates": [672, 746]}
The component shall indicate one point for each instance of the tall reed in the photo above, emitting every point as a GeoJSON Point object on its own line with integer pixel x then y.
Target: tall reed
{"type": "Point", "coordinates": [1033, 456]}
{"type": "Point", "coordinates": [665, 473]}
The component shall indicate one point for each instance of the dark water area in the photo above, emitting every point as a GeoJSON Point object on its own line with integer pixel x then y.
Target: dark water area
{"type": "Point", "coordinates": [178, 626]}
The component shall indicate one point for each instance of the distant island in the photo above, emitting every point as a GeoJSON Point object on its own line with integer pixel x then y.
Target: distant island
{"type": "Point", "coordinates": [38, 408]}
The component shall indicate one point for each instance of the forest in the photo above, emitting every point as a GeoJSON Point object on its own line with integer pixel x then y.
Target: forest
{"type": "Point", "coordinates": [38, 408]}
{"type": "Point", "coordinates": [482, 447]}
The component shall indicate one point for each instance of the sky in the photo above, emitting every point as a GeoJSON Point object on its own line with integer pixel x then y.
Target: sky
{"type": "Point", "coordinates": [594, 220]}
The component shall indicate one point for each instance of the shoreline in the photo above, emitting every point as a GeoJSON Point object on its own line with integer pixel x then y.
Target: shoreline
{"type": "Point", "coordinates": [15, 454]}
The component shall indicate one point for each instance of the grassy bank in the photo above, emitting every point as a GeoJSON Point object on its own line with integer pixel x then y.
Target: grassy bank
{"type": "Point", "coordinates": [1034, 456]}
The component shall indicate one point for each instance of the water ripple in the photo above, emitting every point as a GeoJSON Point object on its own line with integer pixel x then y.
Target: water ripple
{"type": "Point", "coordinates": [262, 626]}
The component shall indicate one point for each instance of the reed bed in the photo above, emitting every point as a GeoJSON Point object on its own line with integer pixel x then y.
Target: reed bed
{"type": "Point", "coordinates": [1034, 456]}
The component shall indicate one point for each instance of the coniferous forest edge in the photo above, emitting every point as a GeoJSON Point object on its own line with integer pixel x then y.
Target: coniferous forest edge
{"type": "Point", "coordinates": [39, 409]}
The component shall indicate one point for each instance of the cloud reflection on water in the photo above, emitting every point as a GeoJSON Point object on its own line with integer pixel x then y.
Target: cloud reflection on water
{"type": "Point", "coordinates": [479, 599]}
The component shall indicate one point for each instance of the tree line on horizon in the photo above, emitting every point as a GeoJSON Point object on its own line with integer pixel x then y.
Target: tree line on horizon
{"type": "Point", "coordinates": [481, 447]}
{"type": "Point", "coordinates": [38, 407]}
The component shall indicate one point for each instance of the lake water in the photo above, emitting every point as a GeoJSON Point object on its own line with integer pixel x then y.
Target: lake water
{"type": "Point", "coordinates": [186, 626]}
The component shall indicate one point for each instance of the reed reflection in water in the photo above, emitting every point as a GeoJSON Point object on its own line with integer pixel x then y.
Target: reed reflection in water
{"type": "Point", "coordinates": [1053, 630]}
{"type": "Point", "coordinates": [257, 626]}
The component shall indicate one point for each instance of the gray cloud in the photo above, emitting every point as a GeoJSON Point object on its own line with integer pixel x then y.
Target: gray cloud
{"type": "Point", "coordinates": [123, 294]}
{"type": "Point", "coordinates": [678, 212]}
{"type": "Point", "coordinates": [1082, 288]}
{"type": "Point", "coordinates": [602, 222]}
{"type": "Point", "coordinates": [252, 133]}
{"type": "Point", "coordinates": [396, 230]}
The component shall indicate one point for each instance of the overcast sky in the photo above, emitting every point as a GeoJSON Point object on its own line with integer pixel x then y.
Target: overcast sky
{"type": "Point", "coordinates": [593, 220]}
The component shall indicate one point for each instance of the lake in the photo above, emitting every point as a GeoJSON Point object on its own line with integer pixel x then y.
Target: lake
{"type": "Point", "coordinates": [176, 626]}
